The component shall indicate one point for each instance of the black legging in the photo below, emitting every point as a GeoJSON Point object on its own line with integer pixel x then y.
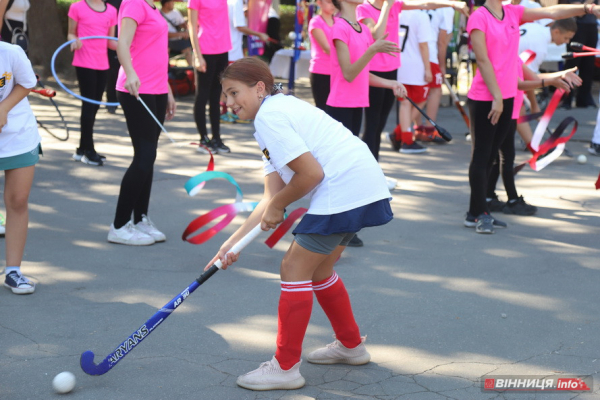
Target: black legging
{"type": "Point", "coordinates": [381, 101]}
{"type": "Point", "coordinates": [113, 73]}
{"type": "Point", "coordinates": [485, 140]}
{"type": "Point", "coordinates": [144, 132]}
{"type": "Point", "coordinates": [319, 84]}
{"type": "Point", "coordinates": [351, 118]}
{"type": "Point", "coordinates": [505, 163]}
{"type": "Point", "coordinates": [91, 85]}
{"type": "Point", "coordinates": [208, 90]}
{"type": "Point", "coordinates": [587, 34]}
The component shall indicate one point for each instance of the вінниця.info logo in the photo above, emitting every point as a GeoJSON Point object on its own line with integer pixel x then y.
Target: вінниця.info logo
{"type": "Point", "coordinates": [537, 383]}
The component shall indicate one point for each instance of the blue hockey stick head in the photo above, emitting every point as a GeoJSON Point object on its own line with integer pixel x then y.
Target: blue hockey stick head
{"type": "Point", "coordinates": [90, 367]}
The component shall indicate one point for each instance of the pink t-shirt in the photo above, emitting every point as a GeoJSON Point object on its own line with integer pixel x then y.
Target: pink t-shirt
{"type": "Point", "coordinates": [320, 62]}
{"type": "Point", "coordinates": [502, 42]}
{"type": "Point", "coordinates": [213, 25]}
{"type": "Point", "coordinates": [149, 48]}
{"type": "Point", "coordinates": [382, 62]}
{"type": "Point", "coordinates": [518, 102]}
{"type": "Point", "coordinates": [92, 53]}
{"type": "Point", "coordinates": [353, 94]}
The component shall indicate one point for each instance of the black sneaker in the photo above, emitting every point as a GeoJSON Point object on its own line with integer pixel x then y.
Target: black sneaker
{"type": "Point", "coordinates": [413, 148]}
{"type": "Point", "coordinates": [111, 109]}
{"type": "Point", "coordinates": [206, 146]}
{"type": "Point", "coordinates": [594, 149]}
{"type": "Point", "coordinates": [221, 148]}
{"type": "Point", "coordinates": [18, 284]}
{"type": "Point", "coordinates": [485, 224]}
{"type": "Point", "coordinates": [471, 221]}
{"type": "Point", "coordinates": [92, 158]}
{"type": "Point", "coordinates": [396, 144]}
{"type": "Point", "coordinates": [495, 204]}
{"type": "Point", "coordinates": [355, 242]}
{"type": "Point", "coordinates": [519, 207]}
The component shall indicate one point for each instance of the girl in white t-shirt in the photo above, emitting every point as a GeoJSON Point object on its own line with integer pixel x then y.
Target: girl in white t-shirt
{"type": "Point", "coordinates": [306, 153]}
{"type": "Point", "coordinates": [19, 152]}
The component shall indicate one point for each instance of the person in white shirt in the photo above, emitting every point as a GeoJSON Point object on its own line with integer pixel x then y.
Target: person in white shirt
{"type": "Point", "coordinates": [239, 27]}
{"type": "Point", "coordinates": [179, 37]}
{"type": "Point", "coordinates": [19, 152]}
{"type": "Point", "coordinates": [414, 73]}
{"type": "Point", "coordinates": [306, 154]}
{"type": "Point", "coordinates": [442, 23]}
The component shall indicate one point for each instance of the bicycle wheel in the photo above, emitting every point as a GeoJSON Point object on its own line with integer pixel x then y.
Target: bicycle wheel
{"type": "Point", "coordinates": [57, 126]}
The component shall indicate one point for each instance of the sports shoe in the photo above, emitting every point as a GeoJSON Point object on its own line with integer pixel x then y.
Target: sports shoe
{"type": "Point", "coordinates": [391, 183]}
{"type": "Point", "coordinates": [495, 204]}
{"type": "Point", "coordinates": [18, 284]}
{"type": "Point", "coordinates": [428, 134]}
{"type": "Point", "coordinates": [227, 118]}
{"type": "Point", "coordinates": [471, 222]}
{"type": "Point", "coordinates": [395, 138]}
{"type": "Point", "coordinates": [111, 109]}
{"type": "Point", "coordinates": [519, 207]}
{"type": "Point", "coordinates": [128, 234]}
{"type": "Point", "coordinates": [413, 148]}
{"type": "Point", "coordinates": [337, 353]}
{"type": "Point", "coordinates": [594, 149]}
{"type": "Point", "coordinates": [79, 154]}
{"type": "Point", "coordinates": [355, 242]}
{"type": "Point", "coordinates": [270, 376]}
{"type": "Point", "coordinates": [208, 148]}
{"type": "Point", "coordinates": [485, 224]}
{"type": "Point", "coordinates": [148, 227]}
{"type": "Point", "coordinates": [92, 158]}
{"type": "Point", "coordinates": [2, 230]}
{"type": "Point", "coordinates": [220, 148]}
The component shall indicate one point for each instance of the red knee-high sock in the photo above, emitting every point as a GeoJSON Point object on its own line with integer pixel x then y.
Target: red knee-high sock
{"type": "Point", "coordinates": [295, 306]}
{"type": "Point", "coordinates": [333, 298]}
{"type": "Point", "coordinates": [407, 137]}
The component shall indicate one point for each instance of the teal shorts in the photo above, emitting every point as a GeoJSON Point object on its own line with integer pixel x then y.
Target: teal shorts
{"type": "Point", "coordinates": [22, 160]}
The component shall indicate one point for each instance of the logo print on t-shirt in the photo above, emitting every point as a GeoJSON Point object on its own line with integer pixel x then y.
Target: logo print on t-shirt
{"type": "Point", "coordinates": [266, 153]}
{"type": "Point", "coordinates": [2, 82]}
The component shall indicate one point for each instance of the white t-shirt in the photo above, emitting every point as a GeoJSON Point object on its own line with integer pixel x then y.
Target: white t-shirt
{"type": "Point", "coordinates": [441, 19]}
{"type": "Point", "coordinates": [236, 20]}
{"type": "Point", "coordinates": [174, 19]}
{"type": "Point", "coordinates": [287, 127]}
{"type": "Point", "coordinates": [18, 12]}
{"type": "Point", "coordinates": [415, 28]}
{"type": "Point", "coordinates": [536, 38]}
{"type": "Point", "coordinates": [20, 134]}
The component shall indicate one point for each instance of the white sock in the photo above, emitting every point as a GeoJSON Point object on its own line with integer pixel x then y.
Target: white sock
{"type": "Point", "coordinates": [8, 270]}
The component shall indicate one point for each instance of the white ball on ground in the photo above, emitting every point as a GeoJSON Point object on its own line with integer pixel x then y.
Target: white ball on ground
{"type": "Point", "coordinates": [292, 35]}
{"type": "Point", "coordinates": [582, 159]}
{"type": "Point", "coordinates": [63, 382]}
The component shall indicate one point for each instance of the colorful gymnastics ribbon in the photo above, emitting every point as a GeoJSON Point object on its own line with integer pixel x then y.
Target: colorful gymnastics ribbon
{"type": "Point", "coordinates": [555, 141]}
{"type": "Point", "coordinates": [227, 211]}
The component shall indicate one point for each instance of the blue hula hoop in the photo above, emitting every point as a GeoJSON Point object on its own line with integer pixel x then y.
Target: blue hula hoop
{"type": "Point", "coordinates": [62, 85]}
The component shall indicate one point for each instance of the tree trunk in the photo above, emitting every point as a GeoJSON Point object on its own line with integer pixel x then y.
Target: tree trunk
{"type": "Point", "coordinates": [46, 34]}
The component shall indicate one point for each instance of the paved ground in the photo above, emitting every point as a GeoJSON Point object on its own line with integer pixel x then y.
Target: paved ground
{"type": "Point", "coordinates": [442, 306]}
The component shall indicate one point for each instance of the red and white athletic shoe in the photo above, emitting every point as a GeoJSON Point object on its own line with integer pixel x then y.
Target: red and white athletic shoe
{"type": "Point", "coordinates": [270, 376]}
{"type": "Point", "coordinates": [337, 353]}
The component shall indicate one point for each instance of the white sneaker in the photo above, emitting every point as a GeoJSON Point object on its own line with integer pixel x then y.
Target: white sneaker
{"type": "Point", "coordinates": [270, 376]}
{"type": "Point", "coordinates": [336, 353]}
{"type": "Point", "coordinates": [130, 235]}
{"type": "Point", "coordinates": [391, 183]}
{"type": "Point", "coordinates": [148, 227]}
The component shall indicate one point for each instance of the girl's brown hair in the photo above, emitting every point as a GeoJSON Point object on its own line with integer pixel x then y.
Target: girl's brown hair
{"type": "Point", "coordinates": [250, 71]}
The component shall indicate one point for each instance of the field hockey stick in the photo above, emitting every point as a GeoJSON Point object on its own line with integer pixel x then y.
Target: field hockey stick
{"type": "Point", "coordinates": [443, 133]}
{"type": "Point", "coordinates": [44, 92]}
{"type": "Point", "coordinates": [156, 119]}
{"type": "Point", "coordinates": [579, 47]}
{"type": "Point", "coordinates": [457, 103]}
{"type": "Point", "coordinates": [570, 55]}
{"type": "Point", "coordinates": [87, 358]}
